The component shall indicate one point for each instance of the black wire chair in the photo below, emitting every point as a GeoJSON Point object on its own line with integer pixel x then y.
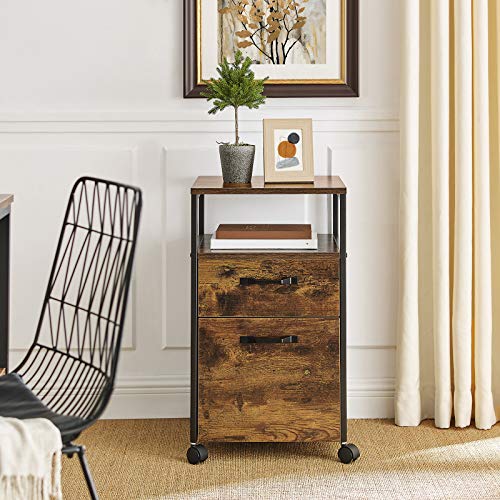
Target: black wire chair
{"type": "Point", "coordinates": [68, 374]}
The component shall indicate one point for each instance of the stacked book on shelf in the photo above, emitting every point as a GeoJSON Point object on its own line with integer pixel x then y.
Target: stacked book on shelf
{"type": "Point", "coordinates": [264, 236]}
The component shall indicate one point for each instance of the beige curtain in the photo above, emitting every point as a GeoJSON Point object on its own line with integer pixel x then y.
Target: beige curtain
{"type": "Point", "coordinates": [449, 314]}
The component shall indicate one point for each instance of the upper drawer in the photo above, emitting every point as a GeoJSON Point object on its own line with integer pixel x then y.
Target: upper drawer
{"type": "Point", "coordinates": [273, 285]}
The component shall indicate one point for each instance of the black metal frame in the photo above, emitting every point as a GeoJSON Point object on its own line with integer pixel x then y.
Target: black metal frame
{"type": "Point", "coordinates": [343, 310]}
{"type": "Point", "coordinates": [71, 365]}
{"type": "Point", "coordinates": [198, 229]}
{"type": "Point", "coordinates": [195, 206]}
{"type": "Point", "coordinates": [69, 450]}
{"type": "Point", "coordinates": [4, 286]}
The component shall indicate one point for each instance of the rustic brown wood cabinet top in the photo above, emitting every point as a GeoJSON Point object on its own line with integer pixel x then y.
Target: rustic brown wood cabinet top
{"type": "Point", "coordinates": [268, 356]}
{"type": "Point", "coordinates": [322, 185]}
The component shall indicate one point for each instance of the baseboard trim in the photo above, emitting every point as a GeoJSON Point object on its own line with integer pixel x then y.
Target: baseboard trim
{"type": "Point", "coordinates": [168, 397]}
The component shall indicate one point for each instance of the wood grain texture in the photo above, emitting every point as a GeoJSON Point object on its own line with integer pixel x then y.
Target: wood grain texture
{"type": "Point", "coordinates": [221, 294]}
{"type": "Point", "coordinates": [269, 392]}
{"type": "Point", "coordinates": [322, 185]}
{"type": "Point", "coordinates": [263, 231]}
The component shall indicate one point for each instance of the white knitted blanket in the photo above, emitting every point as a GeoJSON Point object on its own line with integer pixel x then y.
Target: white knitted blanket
{"type": "Point", "coordinates": [30, 459]}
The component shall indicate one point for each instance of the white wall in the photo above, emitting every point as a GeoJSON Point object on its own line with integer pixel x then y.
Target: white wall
{"type": "Point", "coordinates": [95, 87]}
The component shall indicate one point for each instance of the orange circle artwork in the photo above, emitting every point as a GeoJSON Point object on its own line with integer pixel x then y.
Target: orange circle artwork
{"type": "Point", "coordinates": [287, 149]}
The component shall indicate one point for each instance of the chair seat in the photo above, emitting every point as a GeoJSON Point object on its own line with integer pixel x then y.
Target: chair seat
{"type": "Point", "coordinates": [18, 401]}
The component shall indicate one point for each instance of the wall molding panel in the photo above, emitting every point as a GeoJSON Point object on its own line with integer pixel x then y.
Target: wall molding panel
{"type": "Point", "coordinates": [179, 121]}
{"type": "Point", "coordinates": [26, 158]}
{"type": "Point", "coordinates": [115, 109]}
{"type": "Point", "coordinates": [321, 112]}
{"type": "Point", "coordinates": [172, 337]}
{"type": "Point", "coordinates": [154, 366]}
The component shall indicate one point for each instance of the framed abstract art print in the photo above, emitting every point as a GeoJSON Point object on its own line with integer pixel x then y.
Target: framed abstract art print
{"type": "Point", "coordinates": [307, 48]}
{"type": "Point", "coordinates": [288, 151]}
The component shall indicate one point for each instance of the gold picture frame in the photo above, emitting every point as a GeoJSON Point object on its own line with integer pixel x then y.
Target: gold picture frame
{"type": "Point", "coordinates": [298, 81]}
{"type": "Point", "coordinates": [288, 150]}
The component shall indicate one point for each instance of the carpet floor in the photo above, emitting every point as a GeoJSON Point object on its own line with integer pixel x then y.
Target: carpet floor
{"type": "Point", "coordinates": [145, 459]}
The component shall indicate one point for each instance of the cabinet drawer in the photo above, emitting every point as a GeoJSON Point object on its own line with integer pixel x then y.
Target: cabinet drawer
{"type": "Point", "coordinates": [269, 391]}
{"type": "Point", "coordinates": [252, 286]}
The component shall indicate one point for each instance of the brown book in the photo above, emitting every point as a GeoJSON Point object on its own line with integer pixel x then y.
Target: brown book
{"type": "Point", "coordinates": [263, 232]}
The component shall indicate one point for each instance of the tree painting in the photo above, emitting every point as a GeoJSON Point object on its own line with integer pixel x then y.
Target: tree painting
{"type": "Point", "coordinates": [274, 31]}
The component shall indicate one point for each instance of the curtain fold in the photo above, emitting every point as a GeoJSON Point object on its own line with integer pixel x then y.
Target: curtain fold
{"type": "Point", "coordinates": [440, 138]}
{"type": "Point", "coordinates": [448, 348]}
{"type": "Point", "coordinates": [484, 406]}
{"type": "Point", "coordinates": [408, 321]}
{"type": "Point", "coordinates": [462, 271]}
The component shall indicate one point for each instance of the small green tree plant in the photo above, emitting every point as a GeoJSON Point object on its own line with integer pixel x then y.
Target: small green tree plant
{"type": "Point", "coordinates": [236, 87]}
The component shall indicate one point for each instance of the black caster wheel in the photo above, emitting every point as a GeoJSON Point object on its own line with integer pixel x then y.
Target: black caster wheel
{"type": "Point", "coordinates": [197, 454]}
{"type": "Point", "coordinates": [348, 453]}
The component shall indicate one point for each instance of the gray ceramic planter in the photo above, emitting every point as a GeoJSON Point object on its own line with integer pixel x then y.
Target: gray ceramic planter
{"type": "Point", "coordinates": [236, 163]}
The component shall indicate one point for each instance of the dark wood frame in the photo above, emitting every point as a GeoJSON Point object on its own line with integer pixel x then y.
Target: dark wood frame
{"type": "Point", "coordinates": [348, 89]}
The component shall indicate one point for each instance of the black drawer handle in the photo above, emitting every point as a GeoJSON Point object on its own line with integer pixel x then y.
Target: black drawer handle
{"type": "Point", "coordinates": [288, 339]}
{"type": "Point", "coordinates": [291, 280]}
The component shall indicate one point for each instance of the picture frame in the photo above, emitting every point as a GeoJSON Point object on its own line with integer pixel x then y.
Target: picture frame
{"type": "Point", "coordinates": [288, 150]}
{"type": "Point", "coordinates": [333, 74]}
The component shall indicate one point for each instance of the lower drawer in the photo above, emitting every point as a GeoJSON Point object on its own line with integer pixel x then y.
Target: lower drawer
{"type": "Point", "coordinates": [252, 388]}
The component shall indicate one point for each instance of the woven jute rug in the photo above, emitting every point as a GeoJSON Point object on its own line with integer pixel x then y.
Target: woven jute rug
{"type": "Point", "coordinates": [145, 459]}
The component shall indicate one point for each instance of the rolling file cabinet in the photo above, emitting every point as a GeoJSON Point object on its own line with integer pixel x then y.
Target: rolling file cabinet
{"type": "Point", "coordinates": [268, 332]}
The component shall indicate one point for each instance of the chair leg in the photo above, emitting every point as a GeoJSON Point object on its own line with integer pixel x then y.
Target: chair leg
{"type": "Point", "coordinates": [69, 450]}
{"type": "Point", "coordinates": [87, 474]}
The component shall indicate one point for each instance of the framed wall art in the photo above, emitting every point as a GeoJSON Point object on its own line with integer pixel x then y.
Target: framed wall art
{"type": "Point", "coordinates": [288, 151]}
{"type": "Point", "coordinates": [308, 48]}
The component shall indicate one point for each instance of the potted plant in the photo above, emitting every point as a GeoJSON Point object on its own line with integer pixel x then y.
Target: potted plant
{"type": "Point", "coordinates": [237, 87]}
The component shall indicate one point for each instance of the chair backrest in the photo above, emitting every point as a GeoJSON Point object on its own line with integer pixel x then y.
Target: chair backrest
{"type": "Point", "coordinates": [71, 364]}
